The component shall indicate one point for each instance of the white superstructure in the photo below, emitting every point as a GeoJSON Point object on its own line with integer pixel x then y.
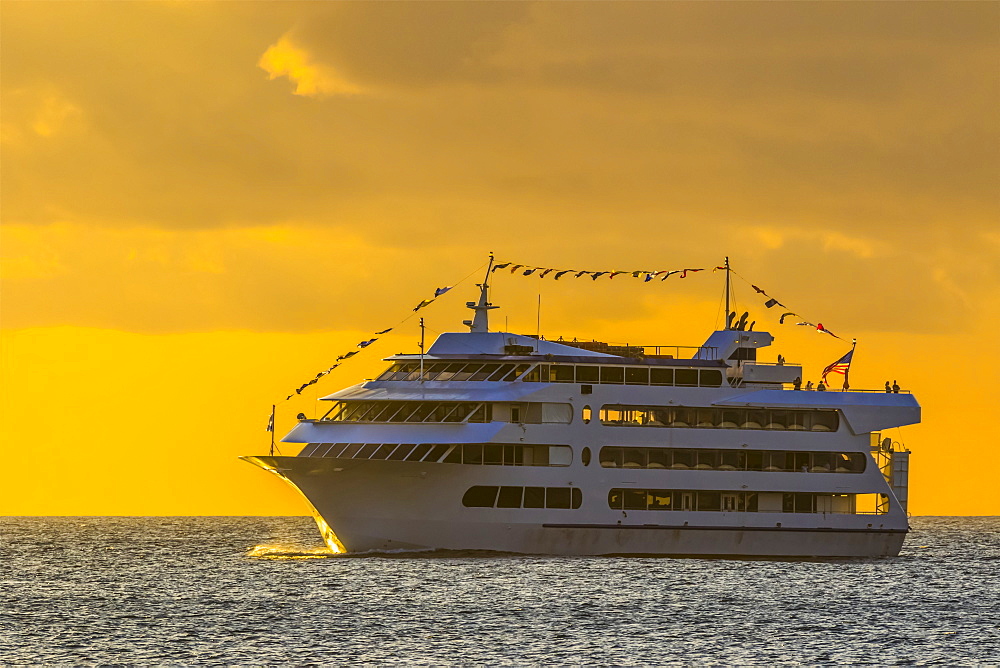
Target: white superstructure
{"type": "Point", "coordinates": [498, 441]}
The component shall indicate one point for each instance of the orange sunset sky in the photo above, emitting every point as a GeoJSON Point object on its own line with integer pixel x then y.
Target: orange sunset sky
{"type": "Point", "coordinates": [203, 204]}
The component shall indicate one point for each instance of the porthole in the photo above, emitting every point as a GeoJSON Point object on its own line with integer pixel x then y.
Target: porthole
{"type": "Point", "coordinates": [587, 414]}
{"type": "Point", "coordinates": [585, 456]}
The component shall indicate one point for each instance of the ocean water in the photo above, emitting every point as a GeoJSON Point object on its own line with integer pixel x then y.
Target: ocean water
{"type": "Point", "coordinates": [250, 590]}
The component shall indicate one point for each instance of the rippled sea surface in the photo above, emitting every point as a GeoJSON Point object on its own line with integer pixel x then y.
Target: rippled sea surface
{"type": "Point", "coordinates": [251, 590]}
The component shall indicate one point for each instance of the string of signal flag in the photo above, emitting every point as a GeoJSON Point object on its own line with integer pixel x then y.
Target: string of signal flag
{"type": "Point", "coordinates": [544, 272]}
{"type": "Point", "coordinates": [367, 342]}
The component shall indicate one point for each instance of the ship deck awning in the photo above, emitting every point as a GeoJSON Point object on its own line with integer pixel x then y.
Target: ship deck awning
{"type": "Point", "coordinates": [562, 359]}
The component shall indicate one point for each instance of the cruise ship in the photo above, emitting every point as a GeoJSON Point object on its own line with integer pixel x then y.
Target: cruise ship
{"type": "Point", "coordinates": [507, 442]}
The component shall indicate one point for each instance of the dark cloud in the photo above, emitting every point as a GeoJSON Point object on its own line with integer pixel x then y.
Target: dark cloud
{"type": "Point", "coordinates": [633, 133]}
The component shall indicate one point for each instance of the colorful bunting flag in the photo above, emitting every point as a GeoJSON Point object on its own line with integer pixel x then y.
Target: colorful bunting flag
{"type": "Point", "coordinates": [441, 291]}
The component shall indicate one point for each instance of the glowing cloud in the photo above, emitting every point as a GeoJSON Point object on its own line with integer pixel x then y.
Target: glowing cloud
{"type": "Point", "coordinates": [312, 79]}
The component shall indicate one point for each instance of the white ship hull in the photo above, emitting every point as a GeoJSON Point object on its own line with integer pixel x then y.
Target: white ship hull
{"type": "Point", "coordinates": [364, 506]}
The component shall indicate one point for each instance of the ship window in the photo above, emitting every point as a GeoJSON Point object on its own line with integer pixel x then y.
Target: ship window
{"type": "Point", "coordinates": [824, 421]}
{"type": "Point", "coordinates": [557, 497]}
{"type": "Point", "coordinates": [515, 372]}
{"type": "Point", "coordinates": [467, 372]}
{"type": "Point", "coordinates": [577, 497]}
{"type": "Point", "coordinates": [635, 458]}
{"type": "Point", "coordinates": [388, 373]}
{"type": "Point", "coordinates": [611, 458]}
{"type": "Point", "coordinates": [634, 499]}
{"type": "Point", "coordinates": [436, 453]}
{"type": "Point", "coordinates": [515, 413]}
{"type": "Point", "coordinates": [684, 459]}
{"type": "Point", "coordinates": [587, 414]}
{"type": "Point", "coordinates": [635, 376]}
{"type": "Point", "coordinates": [492, 454]}
{"type": "Point", "coordinates": [431, 370]}
{"type": "Point", "coordinates": [366, 451]}
{"type": "Point", "coordinates": [480, 497]}
{"type": "Point", "coordinates": [423, 411]}
{"type": "Point", "coordinates": [706, 459]}
{"type": "Point", "coordinates": [661, 376]}
{"type": "Point", "coordinates": [658, 499]}
{"type": "Point", "coordinates": [483, 413]}
{"type": "Point", "coordinates": [401, 452]}
{"type": "Point", "coordinates": [406, 409]}
{"type": "Point", "coordinates": [351, 450]}
{"type": "Point", "coordinates": [709, 501]}
{"type": "Point", "coordinates": [418, 453]}
{"type": "Point", "coordinates": [383, 451]}
{"type": "Point", "coordinates": [588, 374]}
{"type": "Point", "coordinates": [614, 375]}
{"type": "Point", "coordinates": [510, 497]}
{"type": "Point", "coordinates": [449, 371]}
{"type": "Point", "coordinates": [710, 378]}
{"type": "Point", "coordinates": [686, 377]}
{"type": "Point", "coordinates": [455, 456]}
{"type": "Point", "coordinates": [335, 449]}
{"type": "Point", "coordinates": [562, 373]}
{"type": "Point", "coordinates": [534, 497]}
{"type": "Point", "coordinates": [501, 372]}
{"type": "Point", "coordinates": [485, 372]}
{"type": "Point", "coordinates": [732, 460]}
{"type": "Point", "coordinates": [472, 453]}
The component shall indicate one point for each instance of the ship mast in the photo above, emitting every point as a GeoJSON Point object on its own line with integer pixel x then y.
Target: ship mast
{"type": "Point", "coordinates": [728, 319]}
{"type": "Point", "coordinates": [480, 322]}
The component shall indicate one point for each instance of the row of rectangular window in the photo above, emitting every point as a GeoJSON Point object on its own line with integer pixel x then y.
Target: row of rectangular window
{"type": "Point", "coordinates": [731, 501]}
{"type": "Point", "coordinates": [617, 375]}
{"type": "Point", "coordinates": [732, 460]}
{"type": "Point", "coordinates": [487, 454]}
{"type": "Point", "coordinates": [720, 418]}
{"type": "Point", "coordinates": [552, 373]}
{"type": "Point", "coordinates": [489, 496]}
{"type": "Point", "coordinates": [454, 371]}
{"type": "Point", "coordinates": [410, 411]}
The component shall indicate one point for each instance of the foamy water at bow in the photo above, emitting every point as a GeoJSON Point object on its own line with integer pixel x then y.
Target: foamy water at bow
{"type": "Point", "coordinates": [265, 590]}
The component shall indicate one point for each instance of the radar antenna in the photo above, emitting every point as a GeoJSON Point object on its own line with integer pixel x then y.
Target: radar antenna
{"type": "Point", "coordinates": [480, 322]}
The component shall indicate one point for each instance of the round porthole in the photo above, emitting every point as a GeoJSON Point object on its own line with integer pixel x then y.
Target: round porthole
{"type": "Point", "coordinates": [585, 456]}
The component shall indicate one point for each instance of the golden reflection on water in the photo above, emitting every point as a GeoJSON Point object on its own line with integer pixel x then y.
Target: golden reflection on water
{"type": "Point", "coordinates": [284, 551]}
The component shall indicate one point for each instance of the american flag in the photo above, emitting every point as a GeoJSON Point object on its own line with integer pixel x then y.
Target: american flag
{"type": "Point", "coordinates": [841, 366]}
